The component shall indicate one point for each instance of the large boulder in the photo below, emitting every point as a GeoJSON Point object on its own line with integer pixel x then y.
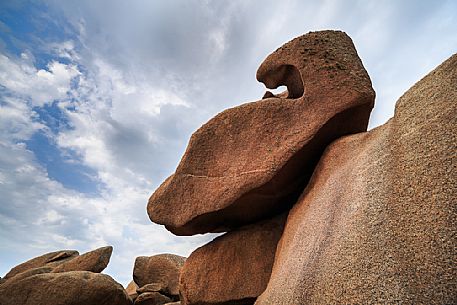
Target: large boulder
{"type": "Point", "coordinates": [51, 259]}
{"type": "Point", "coordinates": [377, 224]}
{"type": "Point", "coordinates": [233, 268]}
{"type": "Point", "coordinates": [163, 269]}
{"type": "Point", "coordinates": [68, 288]}
{"type": "Point", "coordinates": [94, 261]}
{"type": "Point", "coordinates": [251, 162]}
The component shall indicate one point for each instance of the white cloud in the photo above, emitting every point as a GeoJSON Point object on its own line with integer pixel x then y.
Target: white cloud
{"type": "Point", "coordinates": [40, 85]}
{"type": "Point", "coordinates": [17, 120]}
{"type": "Point", "coordinates": [50, 217]}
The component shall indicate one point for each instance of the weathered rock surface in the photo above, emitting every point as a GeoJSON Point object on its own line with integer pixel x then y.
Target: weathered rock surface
{"type": "Point", "coordinates": [154, 287]}
{"type": "Point", "coordinates": [162, 269]}
{"type": "Point", "coordinates": [233, 268]}
{"type": "Point", "coordinates": [68, 288]}
{"type": "Point", "coordinates": [131, 290]}
{"type": "Point", "coordinates": [152, 298]}
{"type": "Point", "coordinates": [377, 224]}
{"type": "Point", "coordinates": [51, 260]}
{"type": "Point", "coordinates": [251, 162]}
{"type": "Point", "coordinates": [30, 272]}
{"type": "Point", "coordinates": [94, 261]}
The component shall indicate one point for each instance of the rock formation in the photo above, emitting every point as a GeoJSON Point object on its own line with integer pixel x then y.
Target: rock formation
{"type": "Point", "coordinates": [63, 277]}
{"type": "Point", "coordinates": [252, 162]}
{"type": "Point", "coordinates": [377, 222]}
{"type": "Point", "coordinates": [315, 209]}
{"type": "Point", "coordinates": [376, 218]}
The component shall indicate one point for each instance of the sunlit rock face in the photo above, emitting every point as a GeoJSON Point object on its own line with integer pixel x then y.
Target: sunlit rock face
{"type": "Point", "coordinates": [378, 221]}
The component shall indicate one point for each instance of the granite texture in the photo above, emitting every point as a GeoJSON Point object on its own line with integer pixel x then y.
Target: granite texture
{"type": "Point", "coordinates": [377, 223]}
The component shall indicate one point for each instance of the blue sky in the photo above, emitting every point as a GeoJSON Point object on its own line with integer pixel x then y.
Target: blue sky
{"type": "Point", "coordinates": [98, 100]}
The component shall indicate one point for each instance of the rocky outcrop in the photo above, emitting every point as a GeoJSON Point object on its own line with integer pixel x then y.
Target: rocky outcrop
{"type": "Point", "coordinates": [94, 261]}
{"type": "Point", "coordinates": [159, 273]}
{"type": "Point", "coordinates": [63, 277]}
{"type": "Point", "coordinates": [233, 268]}
{"type": "Point", "coordinates": [49, 260]}
{"type": "Point", "coordinates": [68, 288]}
{"type": "Point", "coordinates": [252, 161]}
{"type": "Point", "coordinates": [62, 261]}
{"type": "Point", "coordinates": [377, 222]}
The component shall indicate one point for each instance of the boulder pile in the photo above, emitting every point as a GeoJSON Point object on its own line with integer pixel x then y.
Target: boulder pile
{"type": "Point", "coordinates": [67, 278]}
{"type": "Point", "coordinates": [316, 209]}
{"type": "Point", "coordinates": [63, 277]}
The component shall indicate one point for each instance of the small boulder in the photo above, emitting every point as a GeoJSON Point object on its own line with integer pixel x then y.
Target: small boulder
{"type": "Point", "coordinates": [131, 290]}
{"type": "Point", "coordinates": [161, 269]}
{"type": "Point", "coordinates": [94, 261]}
{"type": "Point", "coordinates": [152, 298]}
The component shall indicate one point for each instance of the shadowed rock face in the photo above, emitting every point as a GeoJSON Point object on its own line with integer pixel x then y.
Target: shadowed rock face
{"type": "Point", "coordinates": [233, 268]}
{"type": "Point", "coordinates": [377, 223]}
{"type": "Point", "coordinates": [251, 162]}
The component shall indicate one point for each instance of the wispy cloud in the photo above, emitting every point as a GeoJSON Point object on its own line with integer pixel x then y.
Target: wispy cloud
{"type": "Point", "coordinates": [114, 124]}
